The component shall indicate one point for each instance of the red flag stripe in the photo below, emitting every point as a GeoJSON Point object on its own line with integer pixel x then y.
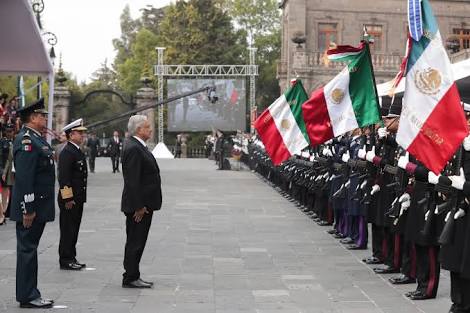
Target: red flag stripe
{"type": "Point", "coordinates": [317, 119]}
{"type": "Point", "coordinates": [435, 143]}
{"type": "Point", "coordinates": [271, 138]}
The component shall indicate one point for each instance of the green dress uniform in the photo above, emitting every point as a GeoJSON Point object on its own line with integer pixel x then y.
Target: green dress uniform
{"type": "Point", "coordinates": [33, 191]}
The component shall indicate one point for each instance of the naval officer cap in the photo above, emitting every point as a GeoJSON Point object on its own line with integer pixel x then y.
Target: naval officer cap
{"type": "Point", "coordinates": [75, 125]}
{"type": "Point", "coordinates": [36, 107]}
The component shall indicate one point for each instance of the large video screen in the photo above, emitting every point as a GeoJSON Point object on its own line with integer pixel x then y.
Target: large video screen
{"type": "Point", "coordinates": [197, 113]}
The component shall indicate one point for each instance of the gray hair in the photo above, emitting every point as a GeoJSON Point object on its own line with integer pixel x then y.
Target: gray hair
{"type": "Point", "coordinates": [135, 122]}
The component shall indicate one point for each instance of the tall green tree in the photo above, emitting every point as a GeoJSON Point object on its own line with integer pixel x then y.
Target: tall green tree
{"type": "Point", "coordinates": [260, 22]}
{"type": "Point", "coordinates": [200, 32]}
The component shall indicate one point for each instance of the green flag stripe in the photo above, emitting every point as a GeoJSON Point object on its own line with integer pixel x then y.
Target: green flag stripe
{"type": "Point", "coordinates": [296, 96]}
{"type": "Point", "coordinates": [362, 90]}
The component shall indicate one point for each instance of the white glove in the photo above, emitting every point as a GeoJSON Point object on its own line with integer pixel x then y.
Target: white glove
{"type": "Point", "coordinates": [426, 215]}
{"type": "Point", "coordinates": [370, 154]}
{"type": "Point", "coordinates": [458, 181]}
{"type": "Point", "coordinates": [375, 189]}
{"type": "Point", "coordinates": [312, 158]}
{"type": "Point", "coordinates": [362, 153]}
{"type": "Point", "coordinates": [326, 175]}
{"type": "Point", "coordinates": [318, 178]}
{"type": "Point", "coordinates": [348, 183]}
{"type": "Point", "coordinates": [466, 143]}
{"type": "Point", "coordinates": [329, 142]}
{"type": "Point", "coordinates": [405, 202]}
{"type": "Point", "coordinates": [433, 178]}
{"type": "Point", "coordinates": [447, 216]}
{"type": "Point", "coordinates": [364, 184]}
{"type": "Point", "coordinates": [327, 152]}
{"type": "Point", "coordinates": [460, 213]}
{"type": "Point", "coordinates": [345, 157]}
{"type": "Point", "coordinates": [404, 160]}
{"type": "Point", "coordinates": [333, 177]}
{"type": "Point", "coordinates": [382, 132]}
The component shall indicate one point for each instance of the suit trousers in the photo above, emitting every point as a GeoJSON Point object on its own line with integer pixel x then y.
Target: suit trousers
{"type": "Point", "coordinates": [137, 234]}
{"type": "Point", "coordinates": [115, 163]}
{"type": "Point", "coordinates": [70, 221]}
{"type": "Point", "coordinates": [91, 162]}
{"type": "Point", "coordinates": [27, 261]}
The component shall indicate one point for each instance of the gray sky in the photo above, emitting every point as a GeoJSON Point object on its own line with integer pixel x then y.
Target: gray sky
{"type": "Point", "coordinates": [85, 30]}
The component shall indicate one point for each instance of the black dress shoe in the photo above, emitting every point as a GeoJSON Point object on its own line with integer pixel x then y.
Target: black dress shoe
{"type": "Point", "coordinates": [347, 241]}
{"type": "Point", "coordinates": [356, 247]}
{"type": "Point", "coordinates": [323, 223]}
{"type": "Point", "coordinates": [82, 265]}
{"type": "Point", "coordinates": [332, 231]}
{"type": "Point", "coordinates": [402, 280]}
{"type": "Point", "coordinates": [136, 284]}
{"type": "Point", "coordinates": [146, 282]}
{"type": "Point", "coordinates": [339, 236]}
{"type": "Point", "coordinates": [386, 270]}
{"type": "Point", "coordinates": [38, 303]}
{"type": "Point", "coordinates": [372, 260]}
{"type": "Point", "coordinates": [420, 296]}
{"type": "Point", "coordinates": [72, 266]}
{"type": "Point", "coordinates": [410, 293]}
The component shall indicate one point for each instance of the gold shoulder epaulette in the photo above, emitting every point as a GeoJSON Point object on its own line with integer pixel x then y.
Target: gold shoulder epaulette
{"type": "Point", "coordinates": [66, 192]}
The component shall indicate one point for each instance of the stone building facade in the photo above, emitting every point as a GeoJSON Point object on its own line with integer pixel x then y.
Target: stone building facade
{"type": "Point", "coordinates": [321, 22]}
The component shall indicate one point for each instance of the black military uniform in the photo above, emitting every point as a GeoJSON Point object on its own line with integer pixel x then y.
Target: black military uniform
{"type": "Point", "coordinates": [33, 192]}
{"type": "Point", "coordinates": [72, 183]}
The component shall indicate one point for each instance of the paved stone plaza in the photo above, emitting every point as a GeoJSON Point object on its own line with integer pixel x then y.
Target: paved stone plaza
{"type": "Point", "coordinates": [224, 242]}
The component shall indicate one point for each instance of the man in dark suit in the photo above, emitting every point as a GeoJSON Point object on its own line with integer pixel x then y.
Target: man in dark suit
{"type": "Point", "coordinates": [32, 200]}
{"type": "Point", "coordinates": [114, 148]}
{"type": "Point", "coordinates": [93, 144]}
{"type": "Point", "coordinates": [72, 194]}
{"type": "Point", "coordinates": [141, 196]}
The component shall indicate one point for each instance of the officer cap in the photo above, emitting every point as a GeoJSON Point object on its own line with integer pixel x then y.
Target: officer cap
{"type": "Point", "coordinates": [394, 110]}
{"type": "Point", "coordinates": [36, 107]}
{"type": "Point", "coordinates": [75, 125]}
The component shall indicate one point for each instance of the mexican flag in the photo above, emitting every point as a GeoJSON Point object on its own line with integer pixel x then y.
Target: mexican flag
{"type": "Point", "coordinates": [432, 123]}
{"type": "Point", "coordinates": [347, 102]}
{"type": "Point", "coordinates": [281, 126]}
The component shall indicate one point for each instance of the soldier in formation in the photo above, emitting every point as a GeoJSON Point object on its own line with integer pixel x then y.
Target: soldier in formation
{"type": "Point", "coordinates": [419, 221]}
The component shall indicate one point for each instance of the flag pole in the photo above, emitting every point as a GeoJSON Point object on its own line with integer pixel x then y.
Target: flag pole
{"type": "Point", "coordinates": [366, 40]}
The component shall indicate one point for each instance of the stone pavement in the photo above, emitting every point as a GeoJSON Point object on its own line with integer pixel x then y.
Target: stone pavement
{"type": "Point", "coordinates": [224, 242]}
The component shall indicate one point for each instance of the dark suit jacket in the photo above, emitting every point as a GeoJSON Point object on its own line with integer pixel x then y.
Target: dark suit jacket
{"type": "Point", "coordinates": [73, 173]}
{"type": "Point", "coordinates": [142, 184]}
{"type": "Point", "coordinates": [114, 147]}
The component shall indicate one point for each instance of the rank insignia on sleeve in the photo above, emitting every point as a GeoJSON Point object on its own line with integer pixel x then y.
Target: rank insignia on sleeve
{"type": "Point", "coordinates": [26, 141]}
{"type": "Point", "coordinates": [66, 192]}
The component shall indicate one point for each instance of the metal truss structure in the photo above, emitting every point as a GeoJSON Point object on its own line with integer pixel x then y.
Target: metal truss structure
{"type": "Point", "coordinates": [163, 70]}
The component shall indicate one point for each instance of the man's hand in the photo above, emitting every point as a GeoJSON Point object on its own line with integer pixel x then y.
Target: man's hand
{"type": "Point", "coordinates": [28, 219]}
{"type": "Point", "coordinates": [69, 204]}
{"type": "Point", "coordinates": [139, 214]}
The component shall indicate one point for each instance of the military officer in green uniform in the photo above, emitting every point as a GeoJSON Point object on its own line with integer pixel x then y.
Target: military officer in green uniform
{"type": "Point", "coordinates": [32, 200]}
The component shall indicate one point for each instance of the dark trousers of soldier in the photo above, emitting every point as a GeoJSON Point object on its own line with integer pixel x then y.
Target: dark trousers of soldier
{"type": "Point", "coordinates": [427, 269]}
{"type": "Point", "coordinates": [359, 232]}
{"type": "Point", "coordinates": [91, 163]}
{"type": "Point", "coordinates": [377, 242]}
{"type": "Point", "coordinates": [69, 221]}
{"type": "Point", "coordinates": [391, 248]}
{"type": "Point", "coordinates": [408, 258]}
{"type": "Point", "coordinates": [460, 292]}
{"type": "Point", "coordinates": [27, 261]}
{"type": "Point", "coordinates": [115, 163]}
{"type": "Point", "coordinates": [137, 234]}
